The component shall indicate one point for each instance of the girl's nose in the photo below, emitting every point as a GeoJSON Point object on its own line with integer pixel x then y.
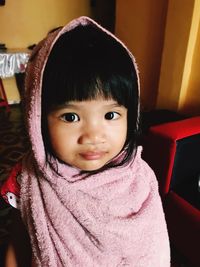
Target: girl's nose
{"type": "Point", "coordinates": [92, 135]}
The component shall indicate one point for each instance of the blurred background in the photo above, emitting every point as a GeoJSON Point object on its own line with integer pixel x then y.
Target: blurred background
{"type": "Point", "coordinates": [163, 35]}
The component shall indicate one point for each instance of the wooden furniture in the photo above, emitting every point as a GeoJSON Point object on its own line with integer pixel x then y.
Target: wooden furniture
{"type": "Point", "coordinates": [3, 97]}
{"type": "Point", "coordinates": [11, 62]}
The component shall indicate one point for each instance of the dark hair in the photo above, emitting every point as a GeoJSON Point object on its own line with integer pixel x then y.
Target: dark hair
{"type": "Point", "coordinates": [83, 64]}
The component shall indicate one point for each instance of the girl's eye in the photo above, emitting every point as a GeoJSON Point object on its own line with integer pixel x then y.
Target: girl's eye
{"type": "Point", "coordinates": [112, 115]}
{"type": "Point", "coordinates": [70, 117]}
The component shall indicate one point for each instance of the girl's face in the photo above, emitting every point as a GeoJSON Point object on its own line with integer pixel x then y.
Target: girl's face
{"type": "Point", "coordinates": [88, 134]}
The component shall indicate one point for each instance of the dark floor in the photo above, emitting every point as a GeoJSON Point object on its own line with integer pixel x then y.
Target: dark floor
{"type": "Point", "coordinates": [13, 141]}
{"type": "Point", "coordinates": [13, 145]}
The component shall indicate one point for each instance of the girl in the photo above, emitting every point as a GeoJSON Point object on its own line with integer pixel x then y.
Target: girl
{"type": "Point", "coordinates": [86, 196]}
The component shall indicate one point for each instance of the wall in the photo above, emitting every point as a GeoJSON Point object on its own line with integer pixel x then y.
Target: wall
{"type": "Point", "coordinates": [164, 36]}
{"type": "Point", "coordinates": [141, 25]}
{"type": "Point", "coordinates": [179, 86]}
{"type": "Point", "coordinates": [24, 23]}
{"type": "Point", "coordinates": [191, 99]}
{"type": "Point", "coordinates": [104, 12]}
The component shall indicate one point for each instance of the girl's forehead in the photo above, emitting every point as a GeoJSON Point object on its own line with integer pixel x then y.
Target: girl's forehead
{"type": "Point", "coordinates": [92, 102]}
{"type": "Point", "coordinates": [92, 105]}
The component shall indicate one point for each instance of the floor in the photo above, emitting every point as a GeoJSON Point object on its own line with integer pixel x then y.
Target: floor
{"type": "Point", "coordinates": [13, 142]}
{"type": "Point", "coordinates": [13, 145]}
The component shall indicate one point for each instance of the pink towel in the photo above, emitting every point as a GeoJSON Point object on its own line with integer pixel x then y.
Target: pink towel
{"type": "Point", "coordinates": [111, 219]}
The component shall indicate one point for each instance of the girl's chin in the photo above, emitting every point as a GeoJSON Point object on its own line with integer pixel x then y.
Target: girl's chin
{"type": "Point", "coordinates": [92, 165]}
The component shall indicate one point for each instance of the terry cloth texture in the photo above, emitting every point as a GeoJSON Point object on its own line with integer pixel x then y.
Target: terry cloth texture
{"type": "Point", "coordinates": [114, 218]}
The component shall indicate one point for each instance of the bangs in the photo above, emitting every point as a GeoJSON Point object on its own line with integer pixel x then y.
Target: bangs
{"type": "Point", "coordinates": [84, 64]}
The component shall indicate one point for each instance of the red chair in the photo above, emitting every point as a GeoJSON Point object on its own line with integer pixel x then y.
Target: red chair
{"type": "Point", "coordinates": [173, 151]}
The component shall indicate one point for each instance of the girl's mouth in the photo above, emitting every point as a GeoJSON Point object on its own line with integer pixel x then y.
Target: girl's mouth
{"type": "Point", "coordinates": [92, 155]}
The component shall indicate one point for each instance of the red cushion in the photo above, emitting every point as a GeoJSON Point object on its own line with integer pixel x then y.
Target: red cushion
{"type": "Point", "coordinates": [160, 147]}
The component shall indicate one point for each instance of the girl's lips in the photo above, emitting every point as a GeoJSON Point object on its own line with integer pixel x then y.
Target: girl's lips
{"type": "Point", "coordinates": [93, 155]}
